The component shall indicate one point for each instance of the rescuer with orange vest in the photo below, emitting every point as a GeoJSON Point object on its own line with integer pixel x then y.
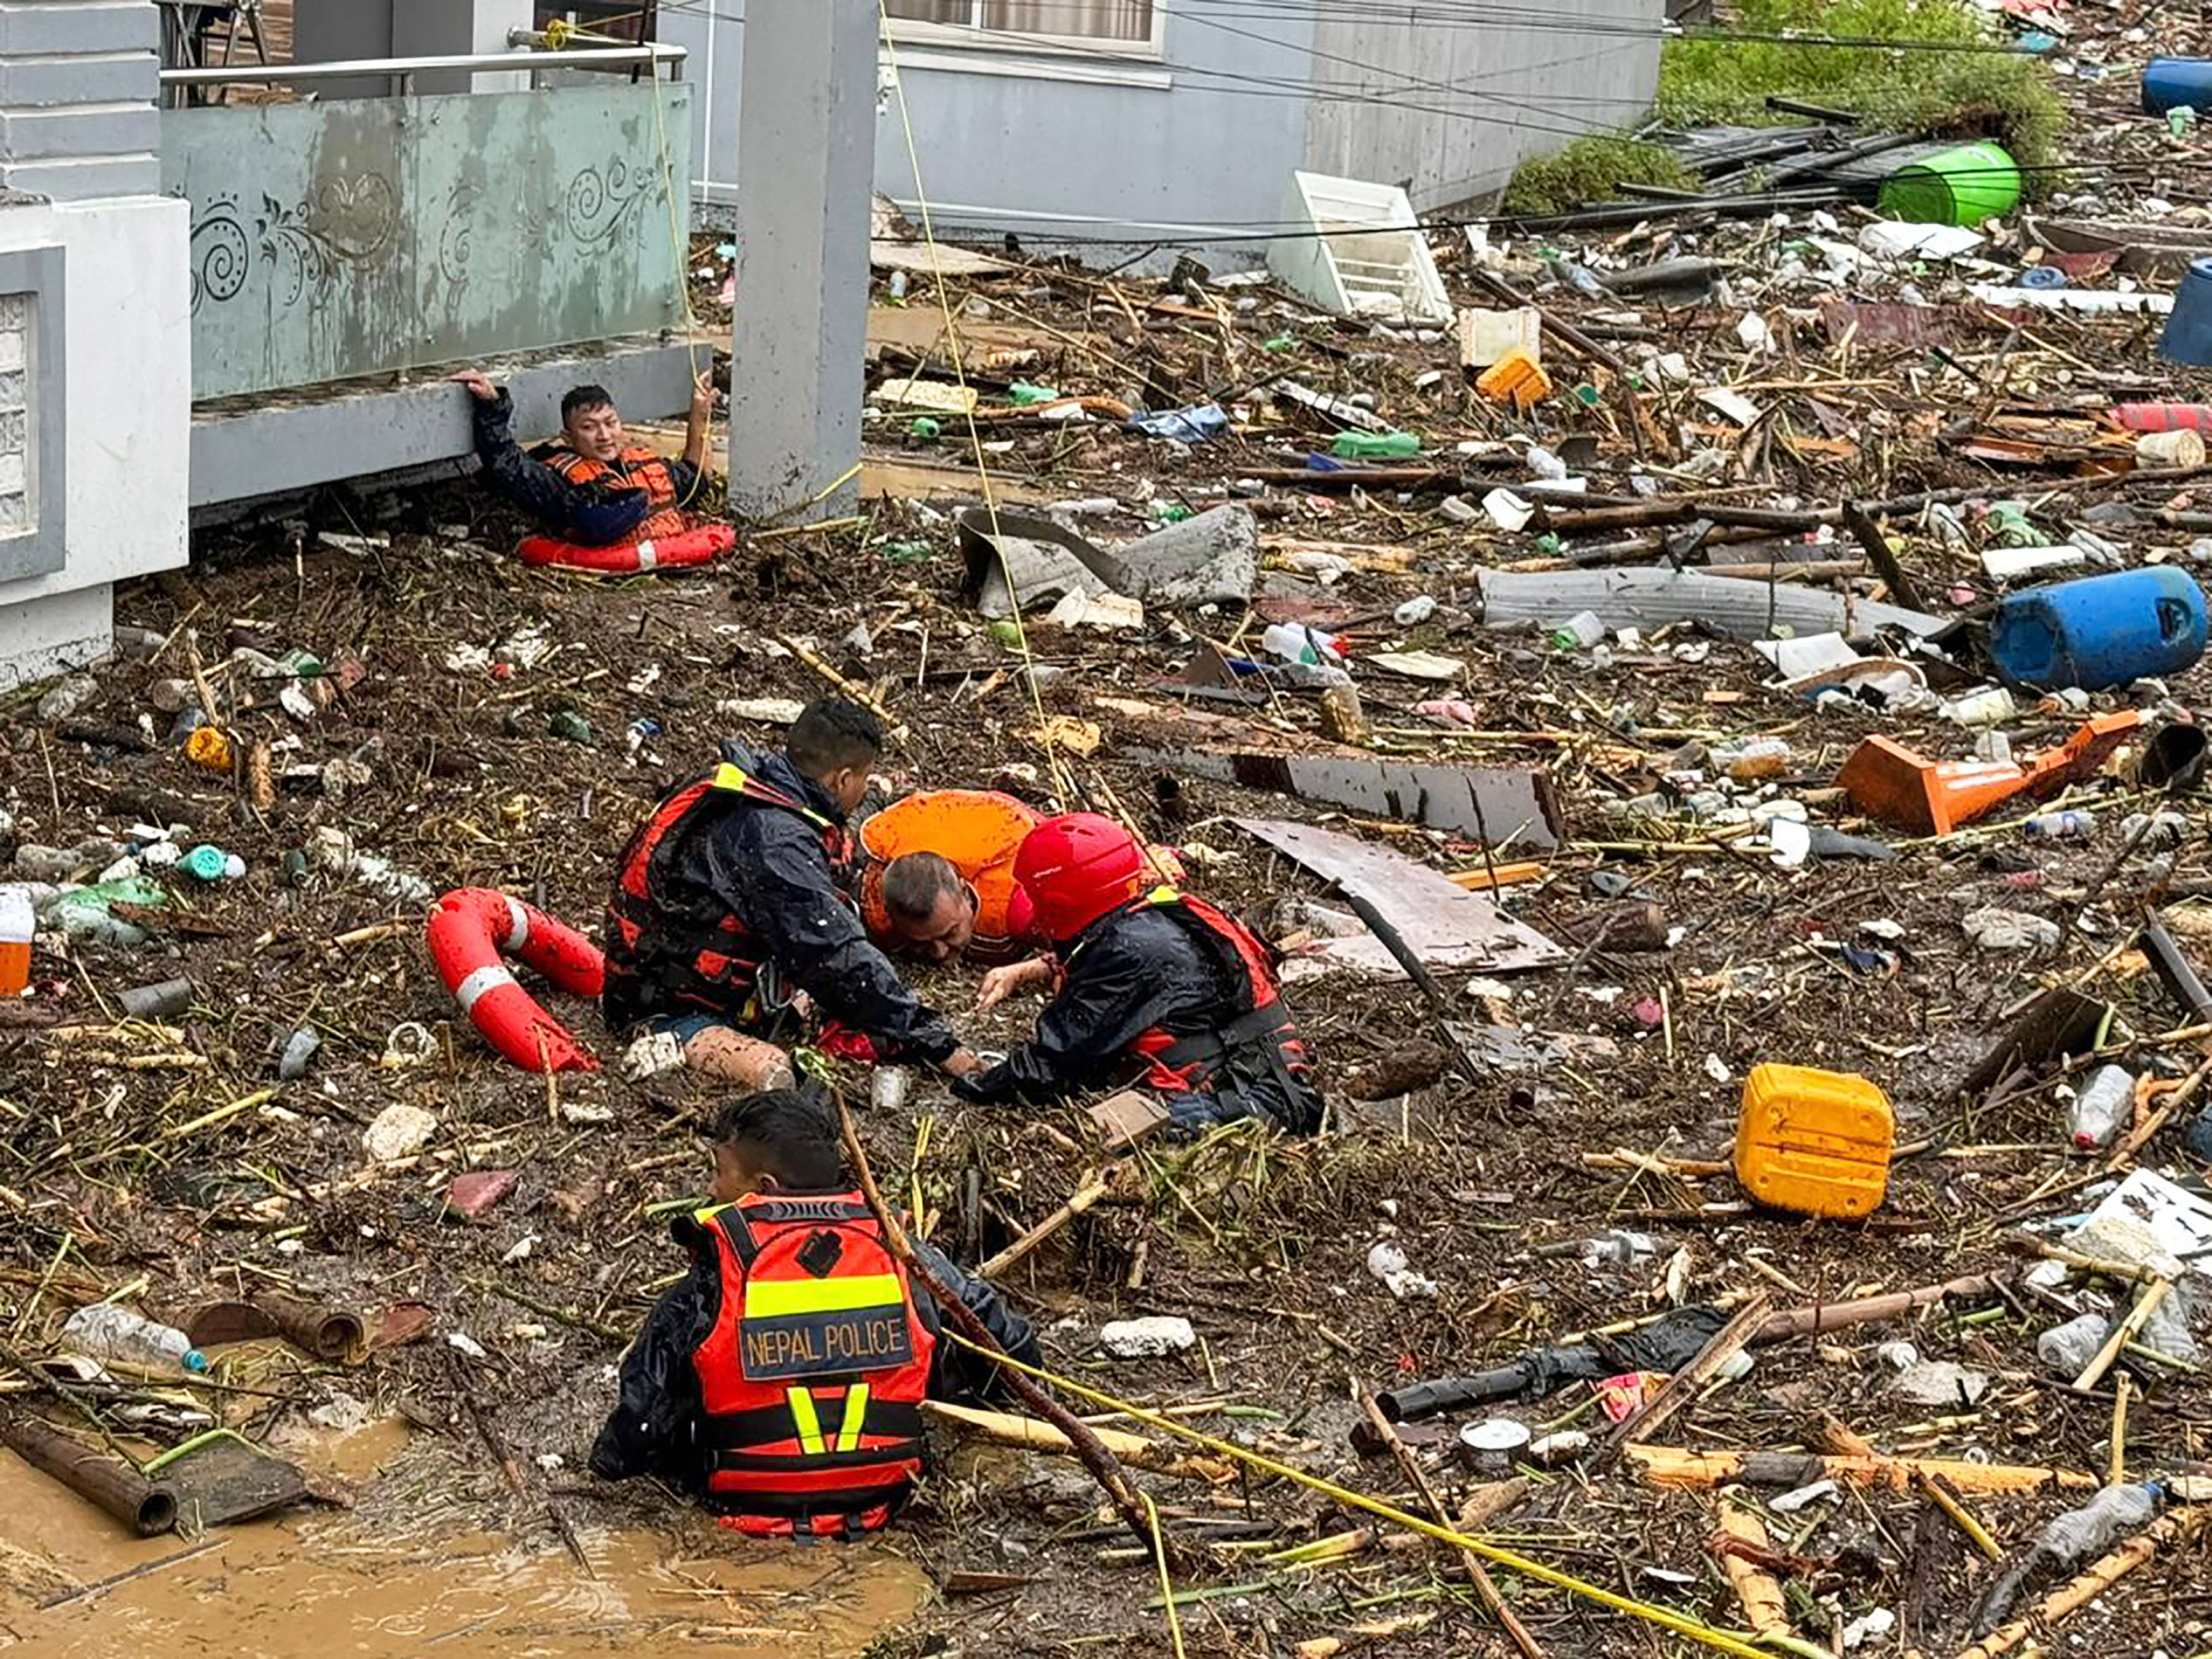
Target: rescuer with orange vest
{"type": "Point", "coordinates": [733, 896]}
{"type": "Point", "coordinates": [1148, 980]}
{"type": "Point", "coordinates": [590, 486]}
{"type": "Point", "coordinates": [781, 1379]}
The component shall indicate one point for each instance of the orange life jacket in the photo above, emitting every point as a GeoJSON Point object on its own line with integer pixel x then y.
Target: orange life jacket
{"type": "Point", "coordinates": [697, 954]}
{"type": "Point", "coordinates": [639, 469]}
{"type": "Point", "coordinates": [978, 831]}
{"type": "Point", "coordinates": [811, 1380]}
{"type": "Point", "coordinates": [1262, 1036]}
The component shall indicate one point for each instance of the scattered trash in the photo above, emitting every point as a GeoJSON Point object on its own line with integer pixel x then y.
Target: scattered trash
{"type": "Point", "coordinates": [1148, 1338]}
{"type": "Point", "coordinates": [1387, 1261]}
{"type": "Point", "coordinates": [398, 1130]}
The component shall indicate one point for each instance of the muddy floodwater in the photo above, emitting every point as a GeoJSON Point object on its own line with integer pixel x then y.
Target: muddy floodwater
{"type": "Point", "coordinates": [319, 1585]}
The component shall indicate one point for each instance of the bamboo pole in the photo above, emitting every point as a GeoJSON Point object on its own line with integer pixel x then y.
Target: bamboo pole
{"type": "Point", "coordinates": [1084, 1197]}
{"type": "Point", "coordinates": [1009, 1428]}
{"type": "Point", "coordinates": [2147, 1301]}
{"type": "Point", "coordinates": [1760, 1592]}
{"type": "Point", "coordinates": [1670, 1465]}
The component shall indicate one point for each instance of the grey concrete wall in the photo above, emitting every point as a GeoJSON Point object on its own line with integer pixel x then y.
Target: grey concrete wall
{"type": "Point", "coordinates": [77, 85]}
{"type": "Point", "coordinates": [1120, 149]}
{"type": "Point", "coordinates": [1448, 105]}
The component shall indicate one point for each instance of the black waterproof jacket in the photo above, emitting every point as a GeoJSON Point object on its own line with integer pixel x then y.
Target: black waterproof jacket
{"type": "Point", "coordinates": [654, 1428]}
{"type": "Point", "coordinates": [590, 516]}
{"type": "Point", "coordinates": [768, 867]}
{"type": "Point", "coordinates": [1130, 970]}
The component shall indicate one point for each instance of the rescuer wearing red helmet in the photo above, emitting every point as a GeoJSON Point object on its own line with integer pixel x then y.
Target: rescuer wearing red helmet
{"type": "Point", "coordinates": [780, 1380]}
{"type": "Point", "coordinates": [1148, 978]}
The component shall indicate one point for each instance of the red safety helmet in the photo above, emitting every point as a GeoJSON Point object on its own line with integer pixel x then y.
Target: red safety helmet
{"type": "Point", "coordinates": [1075, 869]}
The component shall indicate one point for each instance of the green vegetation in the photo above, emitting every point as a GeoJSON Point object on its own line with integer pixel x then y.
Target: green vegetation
{"type": "Point", "coordinates": [1922, 88]}
{"type": "Point", "coordinates": [1590, 170]}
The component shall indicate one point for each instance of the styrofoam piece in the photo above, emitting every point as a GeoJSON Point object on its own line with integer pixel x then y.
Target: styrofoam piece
{"type": "Point", "coordinates": [2089, 302]}
{"type": "Point", "coordinates": [1371, 258]}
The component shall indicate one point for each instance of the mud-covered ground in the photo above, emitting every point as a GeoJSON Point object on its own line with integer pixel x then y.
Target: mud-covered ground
{"type": "Point", "coordinates": [171, 1163]}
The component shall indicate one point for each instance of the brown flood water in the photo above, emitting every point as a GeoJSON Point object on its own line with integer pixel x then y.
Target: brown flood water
{"type": "Point", "coordinates": [315, 1585]}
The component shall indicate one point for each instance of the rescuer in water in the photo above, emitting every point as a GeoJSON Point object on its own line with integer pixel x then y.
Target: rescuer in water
{"type": "Point", "coordinates": [781, 1379]}
{"type": "Point", "coordinates": [1147, 979]}
{"type": "Point", "coordinates": [591, 485]}
{"type": "Point", "coordinates": [731, 898]}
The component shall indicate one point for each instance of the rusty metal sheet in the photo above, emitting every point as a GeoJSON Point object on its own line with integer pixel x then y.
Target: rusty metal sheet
{"type": "Point", "coordinates": [1443, 924]}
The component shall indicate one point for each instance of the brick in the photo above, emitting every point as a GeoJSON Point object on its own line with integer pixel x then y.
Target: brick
{"type": "Point", "coordinates": [15, 431]}
{"type": "Point", "coordinates": [14, 512]}
{"type": "Point", "coordinates": [14, 311]}
{"type": "Point", "coordinates": [11, 349]}
{"type": "Point", "coordinates": [12, 391]}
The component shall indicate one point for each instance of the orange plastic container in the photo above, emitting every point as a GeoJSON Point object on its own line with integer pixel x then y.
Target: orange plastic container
{"type": "Point", "coordinates": [16, 925]}
{"type": "Point", "coordinates": [1518, 376]}
{"type": "Point", "coordinates": [1813, 1141]}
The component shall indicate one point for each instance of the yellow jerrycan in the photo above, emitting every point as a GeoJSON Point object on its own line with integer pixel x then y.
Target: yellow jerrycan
{"type": "Point", "coordinates": [1813, 1141]}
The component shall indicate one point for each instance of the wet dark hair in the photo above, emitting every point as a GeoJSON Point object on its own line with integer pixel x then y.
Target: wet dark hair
{"type": "Point", "coordinates": [832, 734]}
{"type": "Point", "coordinates": [792, 1136]}
{"type": "Point", "coordinates": [579, 398]}
{"type": "Point", "coordinates": [913, 882]}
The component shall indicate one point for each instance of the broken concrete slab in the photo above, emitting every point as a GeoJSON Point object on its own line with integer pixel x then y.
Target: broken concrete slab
{"type": "Point", "coordinates": [1027, 560]}
{"type": "Point", "coordinates": [1512, 805]}
{"type": "Point", "coordinates": [1211, 559]}
{"type": "Point", "coordinates": [1442, 924]}
{"type": "Point", "coordinates": [1648, 599]}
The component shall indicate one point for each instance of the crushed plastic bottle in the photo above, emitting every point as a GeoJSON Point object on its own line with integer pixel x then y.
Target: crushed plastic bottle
{"type": "Point", "coordinates": [104, 1331]}
{"type": "Point", "coordinates": [335, 851]}
{"type": "Point", "coordinates": [1991, 706]}
{"type": "Point", "coordinates": [2153, 834]}
{"type": "Point", "coordinates": [2072, 823]}
{"type": "Point", "coordinates": [1579, 632]}
{"type": "Point", "coordinates": [1376, 445]}
{"type": "Point", "coordinates": [2105, 1101]}
{"type": "Point", "coordinates": [1762, 758]}
{"type": "Point", "coordinates": [1297, 643]}
{"type": "Point", "coordinates": [2114, 1513]}
{"type": "Point", "coordinates": [1543, 465]}
{"type": "Point", "coordinates": [1415, 612]}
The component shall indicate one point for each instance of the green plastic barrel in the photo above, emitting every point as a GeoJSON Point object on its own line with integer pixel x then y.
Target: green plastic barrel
{"type": "Point", "coordinates": [1961, 186]}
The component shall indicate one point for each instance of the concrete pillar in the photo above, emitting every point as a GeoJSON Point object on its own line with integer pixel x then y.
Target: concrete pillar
{"type": "Point", "coordinates": [805, 167]}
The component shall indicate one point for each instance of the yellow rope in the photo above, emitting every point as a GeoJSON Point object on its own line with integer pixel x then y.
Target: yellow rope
{"type": "Point", "coordinates": [1167, 1584]}
{"type": "Point", "coordinates": [1681, 1624]}
{"type": "Point", "coordinates": [1062, 778]}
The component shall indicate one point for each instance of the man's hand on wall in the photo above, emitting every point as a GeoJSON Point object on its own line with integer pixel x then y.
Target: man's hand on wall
{"type": "Point", "coordinates": [478, 383]}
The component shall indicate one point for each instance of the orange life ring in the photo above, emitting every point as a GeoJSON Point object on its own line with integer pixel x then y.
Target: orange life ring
{"type": "Point", "coordinates": [469, 931]}
{"type": "Point", "coordinates": [692, 547]}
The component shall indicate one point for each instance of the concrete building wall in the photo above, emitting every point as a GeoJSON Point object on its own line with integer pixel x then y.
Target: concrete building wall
{"type": "Point", "coordinates": [124, 377]}
{"type": "Point", "coordinates": [77, 98]}
{"type": "Point", "coordinates": [1447, 105]}
{"type": "Point", "coordinates": [1202, 135]}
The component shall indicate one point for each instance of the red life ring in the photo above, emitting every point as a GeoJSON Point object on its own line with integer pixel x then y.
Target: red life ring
{"type": "Point", "coordinates": [692, 547]}
{"type": "Point", "coordinates": [471, 929]}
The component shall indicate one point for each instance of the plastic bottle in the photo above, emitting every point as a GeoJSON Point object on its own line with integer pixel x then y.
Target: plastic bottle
{"type": "Point", "coordinates": [1415, 612]}
{"type": "Point", "coordinates": [2072, 824]}
{"type": "Point", "coordinates": [1762, 758]}
{"type": "Point", "coordinates": [1991, 706]}
{"type": "Point", "coordinates": [1618, 1245]}
{"type": "Point", "coordinates": [1544, 464]}
{"type": "Point", "coordinates": [1026, 396]}
{"type": "Point", "coordinates": [2114, 1513]}
{"type": "Point", "coordinates": [17, 924]}
{"type": "Point", "coordinates": [209, 863]}
{"type": "Point", "coordinates": [2067, 1348]}
{"type": "Point", "coordinates": [104, 1331]}
{"type": "Point", "coordinates": [1376, 445]}
{"type": "Point", "coordinates": [2105, 1101]}
{"type": "Point", "coordinates": [1579, 632]}
{"type": "Point", "coordinates": [1296, 643]}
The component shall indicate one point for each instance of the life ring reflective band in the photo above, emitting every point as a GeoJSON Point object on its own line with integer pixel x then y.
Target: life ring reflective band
{"type": "Point", "coordinates": [679, 552]}
{"type": "Point", "coordinates": [470, 930]}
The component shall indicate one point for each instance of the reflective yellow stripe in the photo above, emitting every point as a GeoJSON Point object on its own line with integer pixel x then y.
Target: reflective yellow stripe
{"type": "Point", "coordinates": [807, 1421]}
{"type": "Point", "coordinates": [856, 1409]}
{"type": "Point", "coordinates": [704, 1217]}
{"type": "Point", "coordinates": [1162, 895]}
{"type": "Point", "coordinates": [727, 776]}
{"type": "Point", "coordinates": [772, 1298]}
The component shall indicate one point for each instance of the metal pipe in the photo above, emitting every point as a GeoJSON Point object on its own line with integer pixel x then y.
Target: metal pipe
{"type": "Point", "coordinates": [486, 62]}
{"type": "Point", "coordinates": [332, 1334]}
{"type": "Point", "coordinates": [115, 1487]}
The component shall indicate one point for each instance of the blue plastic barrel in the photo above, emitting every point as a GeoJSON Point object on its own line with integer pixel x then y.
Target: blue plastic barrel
{"type": "Point", "coordinates": [2170, 83]}
{"type": "Point", "coordinates": [2188, 336]}
{"type": "Point", "coordinates": [2101, 631]}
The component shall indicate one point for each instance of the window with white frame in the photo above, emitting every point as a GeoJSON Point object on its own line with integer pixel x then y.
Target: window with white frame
{"type": "Point", "coordinates": [1124, 26]}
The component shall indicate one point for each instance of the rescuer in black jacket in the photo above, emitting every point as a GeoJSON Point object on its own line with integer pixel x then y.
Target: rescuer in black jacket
{"type": "Point", "coordinates": [781, 1144]}
{"type": "Point", "coordinates": [733, 895]}
{"type": "Point", "coordinates": [1154, 982]}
